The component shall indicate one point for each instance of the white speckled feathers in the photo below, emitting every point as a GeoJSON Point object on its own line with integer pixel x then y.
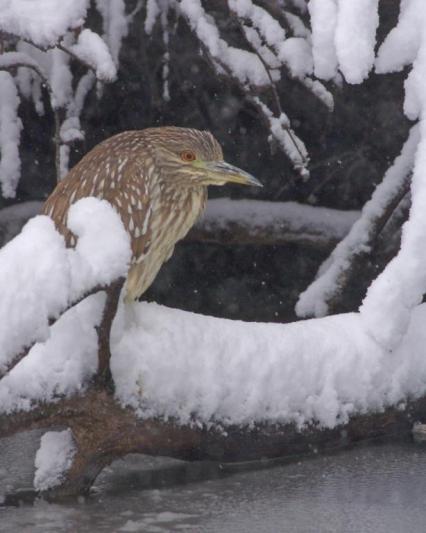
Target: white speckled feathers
{"type": "Point", "coordinates": [156, 212]}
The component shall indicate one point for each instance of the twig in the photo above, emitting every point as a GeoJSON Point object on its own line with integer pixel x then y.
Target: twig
{"type": "Point", "coordinates": [103, 377]}
{"type": "Point", "coordinates": [249, 96]}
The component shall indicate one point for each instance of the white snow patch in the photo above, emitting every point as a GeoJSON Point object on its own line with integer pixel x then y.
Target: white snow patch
{"type": "Point", "coordinates": [91, 49]}
{"type": "Point", "coordinates": [53, 458]}
{"type": "Point", "coordinates": [39, 277]}
{"type": "Point", "coordinates": [200, 369]}
{"type": "Point", "coordinates": [10, 131]}
{"type": "Point", "coordinates": [313, 301]}
{"type": "Point", "coordinates": [323, 15]}
{"type": "Point", "coordinates": [61, 365]}
{"type": "Point", "coordinates": [115, 25]}
{"type": "Point", "coordinates": [355, 37]}
{"type": "Point", "coordinates": [344, 37]}
{"type": "Point", "coordinates": [401, 45]}
{"type": "Point", "coordinates": [296, 53]}
{"type": "Point", "coordinates": [196, 368]}
{"type": "Point", "coordinates": [244, 65]}
{"type": "Point", "coordinates": [284, 216]}
{"type": "Point", "coordinates": [43, 22]}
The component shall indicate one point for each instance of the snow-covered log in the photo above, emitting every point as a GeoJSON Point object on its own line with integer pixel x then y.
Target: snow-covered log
{"type": "Point", "coordinates": [229, 222]}
{"type": "Point", "coordinates": [197, 387]}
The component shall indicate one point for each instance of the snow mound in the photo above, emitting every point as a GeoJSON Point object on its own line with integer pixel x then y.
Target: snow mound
{"type": "Point", "coordinates": [53, 458]}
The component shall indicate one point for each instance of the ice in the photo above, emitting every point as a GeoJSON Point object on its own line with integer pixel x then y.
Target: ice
{"type": "Point", "coordinates": [53, 458]}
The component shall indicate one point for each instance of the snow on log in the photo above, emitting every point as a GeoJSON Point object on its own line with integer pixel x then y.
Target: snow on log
{"type": "Point", "coordinates": [229, 222]}
{"type": "Point", "coordinates": [203, 370]}
{"type": "Point", "coordinates": [193, 368]}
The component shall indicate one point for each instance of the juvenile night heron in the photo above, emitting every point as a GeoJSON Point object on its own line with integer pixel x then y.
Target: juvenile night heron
{"type": "Point", "coordinates": [157, 180]}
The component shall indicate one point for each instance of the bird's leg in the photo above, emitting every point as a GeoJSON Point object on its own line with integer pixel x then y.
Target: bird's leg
{"type": "Point", "coordinates": [103, 376]}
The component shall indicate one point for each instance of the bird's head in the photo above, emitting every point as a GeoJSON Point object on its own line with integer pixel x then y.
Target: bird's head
{"type": "Point", "coordinates": [193, 158]}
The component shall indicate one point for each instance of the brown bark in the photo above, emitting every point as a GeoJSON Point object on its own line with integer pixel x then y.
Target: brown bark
{"type": "Point", "coordinates": [103, 377]}
{"type": "Point", "coordinates": [103, 431]}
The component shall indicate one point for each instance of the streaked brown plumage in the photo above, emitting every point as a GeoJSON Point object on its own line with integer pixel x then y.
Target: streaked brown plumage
{"type": "Point", "coordinates": [157, 181]}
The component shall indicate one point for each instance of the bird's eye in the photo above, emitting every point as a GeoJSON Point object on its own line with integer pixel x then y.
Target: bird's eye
{"type": "Point", "coordinates": [188, 156]}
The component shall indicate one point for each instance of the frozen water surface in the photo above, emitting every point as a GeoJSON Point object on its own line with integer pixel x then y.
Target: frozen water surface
{"type": "Point", "coordinates": [379, 488]}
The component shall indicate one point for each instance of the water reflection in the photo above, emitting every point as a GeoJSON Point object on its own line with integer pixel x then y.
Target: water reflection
{"type": "Point", "coordinates": [369, 489]}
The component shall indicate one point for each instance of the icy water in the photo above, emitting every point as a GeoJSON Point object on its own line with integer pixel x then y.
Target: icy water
{"type": "Point", "coordinates": [374, 489]}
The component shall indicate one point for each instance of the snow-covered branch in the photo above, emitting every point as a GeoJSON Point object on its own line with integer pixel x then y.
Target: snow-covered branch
{"type": "Point", "coordinates": [58, 276]}
{"type": "Point", "coordinates": [42, 40]}
{"type": "Point", "coordinates": [272, 223]}
{"type": "Point", "coordinates": [318, 298]}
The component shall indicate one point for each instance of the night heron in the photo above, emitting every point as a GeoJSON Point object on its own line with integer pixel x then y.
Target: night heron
{"type": "Point", "coordinates": [157, 180]}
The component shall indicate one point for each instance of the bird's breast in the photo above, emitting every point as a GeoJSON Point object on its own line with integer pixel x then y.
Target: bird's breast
{"type": "Point", "coordinates": [175, 212]}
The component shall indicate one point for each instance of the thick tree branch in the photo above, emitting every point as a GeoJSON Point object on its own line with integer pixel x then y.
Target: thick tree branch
{"type": "Point", "coordinates": [356, 263]}
{"type": "Point", "coordinates": [104, 431]}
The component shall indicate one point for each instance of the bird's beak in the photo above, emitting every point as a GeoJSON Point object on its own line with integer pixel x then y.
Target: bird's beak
{"type": "Point", "coordinates": [224, 172]}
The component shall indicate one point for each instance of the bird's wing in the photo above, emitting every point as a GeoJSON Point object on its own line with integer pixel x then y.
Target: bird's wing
{"type": "Point", "coordinates": [120, 181]}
